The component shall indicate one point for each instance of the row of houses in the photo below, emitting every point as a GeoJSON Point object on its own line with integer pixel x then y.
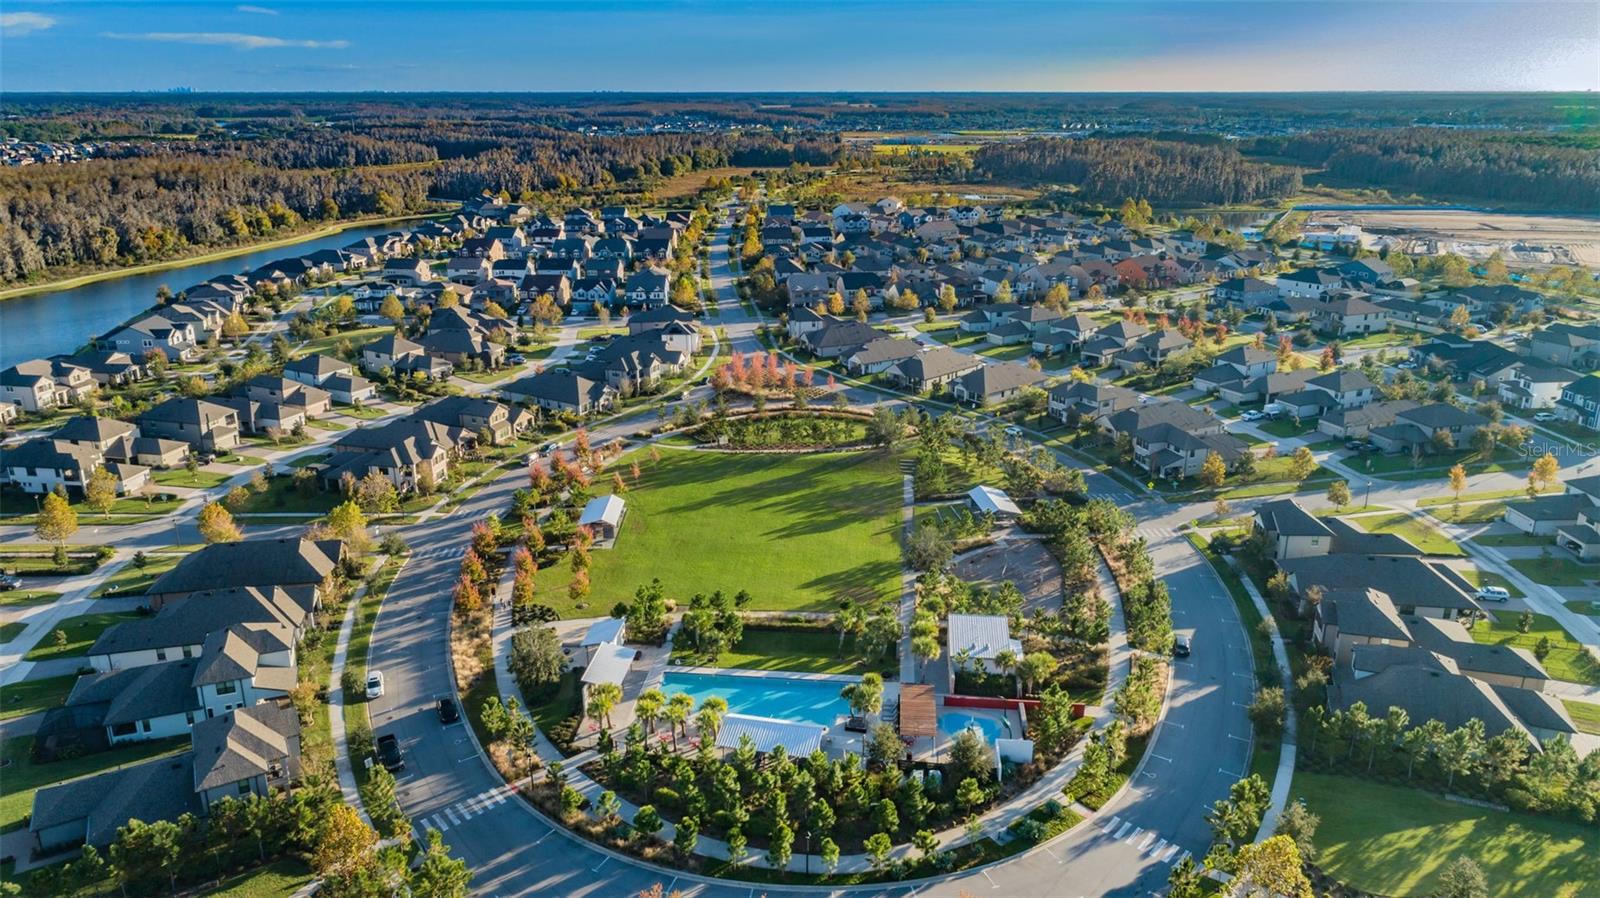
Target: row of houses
{"type": "Point", "coordinates": [660, 343]}
{"type": "Point", "coordinates": [216, 663]}
{"type": "Point", "coordinates": [1395, 623]}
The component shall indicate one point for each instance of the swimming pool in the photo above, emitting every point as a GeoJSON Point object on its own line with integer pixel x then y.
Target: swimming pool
{"type": "Point", "coordinates": [782, 698]}
{"type": "Point", "coordinates": [953, 722]}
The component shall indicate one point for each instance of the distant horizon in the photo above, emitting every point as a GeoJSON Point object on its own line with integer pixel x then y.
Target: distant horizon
{"type": "Point", "coordinates": [712, 46]}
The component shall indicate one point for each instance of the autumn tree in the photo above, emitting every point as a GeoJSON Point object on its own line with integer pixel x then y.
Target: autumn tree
{"type": "Point", "coordinates": [216, 524]}
{"type": "Point", "coordinates": [1339, 493]}
{"type": "Point", "coordinates": [1458, 482]}
{"type": "Point", "coordinates": [344, 842]}
{"type": "Point", "coordinates": [1213, 471]}
{"type": "Point", "coordinates": [57, 521]}
{"type": "Point", "coordinates": [100, 490]}
{"type": "Point", "coordinates": [1546, 471]}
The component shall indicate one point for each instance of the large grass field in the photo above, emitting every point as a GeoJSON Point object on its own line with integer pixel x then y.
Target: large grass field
{"type": "Point", "coordinates": [1567, 659]}
{"type": "Point", "coordinates": [1557, 570]}
{"type": "Point", "coordinates": [798, 532]}
{"type": "Point", "coordinates": [1422, 535]}
{"type": "Point", "coordinates": [1395, 841]}
{"type": "Point", "coordinates": [81, 632]}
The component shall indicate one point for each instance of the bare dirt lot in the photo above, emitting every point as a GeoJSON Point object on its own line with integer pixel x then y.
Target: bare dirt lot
{"type": "Point", "coordinates": [1524, 239]}
{"type": "Point", "coordinates": [1025, 562]}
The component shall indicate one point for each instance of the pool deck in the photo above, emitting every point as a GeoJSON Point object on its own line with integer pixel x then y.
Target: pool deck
{"type": "Point", "coordinates": [774, 675]}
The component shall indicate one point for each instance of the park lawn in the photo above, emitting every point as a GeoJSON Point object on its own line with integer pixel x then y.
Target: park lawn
{"type": "Point", "coordinates": [1585, 715]}
{"type": "Point", "coordinates": [199, 480]}
{"type": "Point", "coordinates": [23, 776]}
{"type": "Point", "coordinates": [1568, 660]}
{"type": "Point", "coordinates": [133, 580]}
{"type": "Point", "coordinates": [799, 532]}
{"type": "Point", "coordinates": [279, 879]}
{"type": "Point", "coordinates": [17, 597]}
{"type": "Point", "coordinates": [1393, 840]}
{"type": "Point", "coordinates": [1481, 578]}
{"type": "Point", "coordinates": [1422, 535]}
{"type": "Point", "coordinates": [796, 650]}
{"type": "Point", "coordinates": [1556, 571]}
{"type": "Point", "coordinates": [28, 696]}
{"type": "Point", "coordinates": [81, 631]}
{"type": "Point", "coordinates": [1474, 513]}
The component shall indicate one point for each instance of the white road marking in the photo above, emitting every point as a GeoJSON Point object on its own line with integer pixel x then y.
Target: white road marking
{"type": "Point", "coordinates": [1160, 758]}
{"type": "Point", "coordinates": [1148, 838]}
{"type": "Point", "coordinates": [543, 837]}
{"type": "Point", "coordinates": [449, 812]}
{"type": "Point", "coordinates": [1133, 835]}
{"type": "Point", "coordinates": [596, 867]}
{"type": "Point", "coordinates": [1110, 825]}
{"type": "Point", "coordinates": [1182, 858]}
{"type": "Point", "coordinates": [1240, 738]}
{"type": "Point", "coordinates": [1230, 773]}
{"type": "Point", "coordinates": [1123, 831]}
{"type": "Point", "coordinates": [1156, 849]}
{"type": "Point", "coordinates": [992, 883]}
{"type": "Point", "coordinates": [1171, 850]}
{"type": "Point", "coordinates": [439, 824]}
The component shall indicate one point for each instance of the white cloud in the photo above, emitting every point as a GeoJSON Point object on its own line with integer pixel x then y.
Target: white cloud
{"type": "Point", "coordinates": [228, 39]}
{"type": "Point", "coordinates": [258, 10]}
{"type": "Point", "coordinates": [16, 24]}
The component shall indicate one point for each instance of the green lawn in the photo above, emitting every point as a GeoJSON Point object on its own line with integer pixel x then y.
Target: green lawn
{"type": "Point", "coordinates": [1423, 536]}
{"type": "Point", "coordinates": [1395, 841]}
{"type": "Point", "coordinates": [17, 597]}
{"type": "Point", "coordinates": [1286, 427]}
{"type": "Point", "coordinates": [200, 480]}
{"type": "Point", "coordinates": [81, 631]}
{"type": "Point", "coordinates": [797, 650]}
{"type": "Point", "coordinates": [1583, 606]}
{"type": "Point", "coordinates": [1474, 513]}
{"type": "Point", "coordinates": [326, 424]}
{"type": "Point", "coordinates": [23, 776]}
{"type": "Point", "coordinates": [281, 496]}
{"type": "Point", "coordinates": [492, 377]}
{"type": "Point", "coordinates": [132, 580]}
{"type": "Point", "coordinates": [1472, 497]}
{"type": "Point", "coordinates": [1512, 539]}
{"type": "Point", "coordinates": [11, 631]}
{"type": "Point", "coordinates": [279, 879]}
{"type": "Point", "coordinates": [798, 532]}
{"type": "Point", "coordinates": [1567, 659]}
{"type": "Point", "coordinates": [29, 696]}
{"type": "Point", "coordinates": [1585, 715]}
{"type": "Point", "coordinates": [358, 337]}
{"type": "Point", "coordinates": [1557, 571]}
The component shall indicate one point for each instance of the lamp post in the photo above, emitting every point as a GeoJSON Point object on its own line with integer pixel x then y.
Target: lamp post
{"type": "Point", "coordinates": [1367, 502]}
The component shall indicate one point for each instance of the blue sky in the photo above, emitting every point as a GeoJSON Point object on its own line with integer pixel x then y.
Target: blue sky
{"type": "Point", "coordinates": [713, 45]}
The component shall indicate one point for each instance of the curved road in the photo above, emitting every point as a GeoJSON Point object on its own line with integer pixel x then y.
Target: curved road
{"type": "Point", "coordinates": [1126, 850]}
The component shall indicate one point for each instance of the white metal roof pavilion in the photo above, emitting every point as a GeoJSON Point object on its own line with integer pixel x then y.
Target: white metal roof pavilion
{"type": "Point", "coordinates": [766, 733]}
{"type": "Point", "coordinates": [989, 500]}
{"type": "Point", "coordinates": [603, 632]}
{"type": "Point", "coordinates": [609, 664]}
{"type": "Point", "coordinates": [605, 510]}
{"type": "Point", "coordinates": [985, 635]}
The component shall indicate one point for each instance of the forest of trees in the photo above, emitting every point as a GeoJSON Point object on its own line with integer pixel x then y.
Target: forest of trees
{"type": "Point", "coordinates": [1163, 171]}
{"type": "Point", "coordinates": [1478, 166]}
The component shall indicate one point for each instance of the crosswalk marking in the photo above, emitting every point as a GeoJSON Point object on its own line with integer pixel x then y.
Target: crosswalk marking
{"type": "Point", "coordinates": [1147, 842]}
{"type": "Point", "coordinates": [450, 812]}
{"type": "Point", "coordinates": [1171, 850]}
{"type": "Point", "coordinates": [1110, 825]}
{"type": "Point", "coordinates": [1148, 838]}
{"type": "Point", "coordinates": [439, 824]}
{"type": "Point", "coordinates": [1157, 848]}
{"type": "Point", "coordinates": [1123, 831]}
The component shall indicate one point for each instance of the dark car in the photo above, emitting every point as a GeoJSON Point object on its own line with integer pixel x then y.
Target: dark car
{"type": "Point", "coordinates": [389, 753]}
{"type": "Point", "coordinates": [1182, 647]}
{"type": "Point", "coordinates": [9, 582]}
{"type": "Point", "coordinates": [447, 712]}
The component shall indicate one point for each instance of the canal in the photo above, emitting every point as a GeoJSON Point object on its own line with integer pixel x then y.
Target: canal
{"type": "Point", "coordinates": [59, 321]}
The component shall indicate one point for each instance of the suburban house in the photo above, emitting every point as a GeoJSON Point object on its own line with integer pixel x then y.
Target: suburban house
{"type": "Point", "coordinates": [931, 368]}
{"type": "Point", "coordinates": [312, 401]}
{"type": "Point", "coordinates": [838, 338]}
{"type": "Point", "coordinates": [205, 426]}
{"type": "Point", "coordinates": [1357, 423]}
{"type": "Point", "coordinates": [881, 355]}
{"type": "Point", "coordinates": [401, 356]}
{"type": "Point", "coordinates": [313, 370]}
{"type": "Point", "coordinates": [1345, 314]}
{"type": "Point", "coordinates": [1570, 345]}
{"type": "Point", "coordinates": [1308, 282]}
{"type": "Point", "coordinates": [46, 464]}
{"type": "Point", "coordinates": [1246, 292]}
{"type": "Point", "coordinates": [562, 390]}
{"type": "Point", "coordinates": [1089, 401]}
{"type": "Point", "coordinates": [1172, 439]}
{"type": "Point", "coordinates": [261, 563]}
{"type": "Point", "coordinates": [1534, 387]}
{"type": "Point", "coordinates": [994, 382]}
{"type": "Point", "coordinates": [43, 384]}
{"type": "Point", "coordinates": [1580, 402]}
{"type": "Point", "coordinates": [1426, 428]}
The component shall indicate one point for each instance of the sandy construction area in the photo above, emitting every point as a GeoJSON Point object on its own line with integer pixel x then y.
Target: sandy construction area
{"type": "Point", "coordinates": [1531, 239]}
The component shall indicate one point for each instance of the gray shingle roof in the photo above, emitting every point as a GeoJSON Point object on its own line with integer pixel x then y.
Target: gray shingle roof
{"type": "Point", "coordinates": [254, 562]}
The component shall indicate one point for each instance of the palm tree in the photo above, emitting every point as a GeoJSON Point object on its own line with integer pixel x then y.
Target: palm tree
{"type": "Point", "coordinates": [647, 708]}
{"type": "Point", "coordinates": [678, 710]}
{"type": "Point", "coordinates": [602, 698]}
{"type": "Point", "coordinates": [866, 696]}
{"type": "Point", "coordinates": [708, 720]}
{"type": "Point", "coordinates": [1006, 661]}
{"type": "Point", "coordinates": [851, 620]}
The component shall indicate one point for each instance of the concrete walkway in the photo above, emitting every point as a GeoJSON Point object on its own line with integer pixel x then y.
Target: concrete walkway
{"type": "Point", "coordinates": [1286, 752]}
{"type": "Point", "coordinates": [336, 700]}
{"type": "Point", "coordinates": [908, 582]}
{"type": "Point", "coordinates": [39, 620]}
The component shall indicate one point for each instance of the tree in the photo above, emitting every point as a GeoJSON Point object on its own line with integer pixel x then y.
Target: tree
{"type": "Point", "coordinates": [392, 309]}
{"type": "Point", "coordinates": [1339, 494]}
{"type": "Point", "coordinates": [969, 795]}
{"type": "Point", "coordinates": [647, 821]}
{"type": "Point", "coordinates": [686, 836]}
{"type": "Point", "coordinates": [1302, 463]}
{"type": "Point", "coordinates": [1185, 880]}
{"type": "Point", "coordinates": [439, 875]}
{"type": "Point", "coordinates": [1213, 471]}
{"type": "Point", "coordinates": [1271, 868]}
{"type": "Point", "coordinates": [829, 852]}
{"type": "Point", "coordinates": [216, 524]}
{"type": "Point", "coordinates": [537, 660]}
{"type": "Point", "coordinates": [343, 841]}
{"type": "Point", "coordinates": [878, 846]}
{"type": "Point", "coordinates": [57, 521]}
{"type": "Point", "coordinates": [864, 696]}
{"type": "Point", "coordinates": [146, 853]}
{"type": "Point", "coordinates": [1546, 471]}
{"type": "Point", "coordinates": [1462, 879]}
{"type": "Point", "coordinates": [1035, 668]}
{"type": "Point", "coordinates": [1458, 482]}
{"type": "Point", "coordinates": [100, 490]}
{"type": "Point", "coordinates": [603, 697]}
{"type": "Point", "coordinates": [1299, 824]}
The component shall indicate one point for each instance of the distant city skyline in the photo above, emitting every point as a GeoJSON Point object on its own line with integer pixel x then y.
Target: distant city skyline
{"type": "Point", "coordinates": [824, 45]}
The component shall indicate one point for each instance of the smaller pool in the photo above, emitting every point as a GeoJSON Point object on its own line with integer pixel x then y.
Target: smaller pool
{"type": "Point", "coordinates": [953, 722]}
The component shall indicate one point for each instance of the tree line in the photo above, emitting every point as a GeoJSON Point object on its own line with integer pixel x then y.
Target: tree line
{"type": "Point", "coordinates": [1163, 171]}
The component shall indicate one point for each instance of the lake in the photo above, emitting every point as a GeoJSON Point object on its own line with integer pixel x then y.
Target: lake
{"type": "Point", "coordinates": [45, 324]}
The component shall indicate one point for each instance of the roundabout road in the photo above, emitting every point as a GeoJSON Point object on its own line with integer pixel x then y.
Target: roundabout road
{"type": "Point", "coordinates": [1126, 849]}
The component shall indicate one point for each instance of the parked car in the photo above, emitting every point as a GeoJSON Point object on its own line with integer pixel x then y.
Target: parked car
{"type": "Point", "coordinates": [517, 359]}
{"type": "Point", "coordinates": [374, 685]}
{"type": "Point", "coordinates": [447, 712]}
{"type": "Point", "coordinates": [9, 582]}
{"type": "Point", "coordinates": [1253, 415]}
{"type": "Point", "coordinates": [1543, 417]}
{"type": "Point", "coordinates": [1182, 646]}
{"type": "Point", "coordinates": [1493, 594]}
{"type": "Point", "coordinates": [389, 753]}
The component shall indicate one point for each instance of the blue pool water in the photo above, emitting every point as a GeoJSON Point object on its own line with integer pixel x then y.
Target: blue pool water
{"type": "Point", "coordinates": [953, 722]}
{"type": "Point", "coordinates": [777, 697]}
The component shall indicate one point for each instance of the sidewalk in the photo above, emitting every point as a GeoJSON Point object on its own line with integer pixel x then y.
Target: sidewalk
{"type": "Point", "coordinates": [76, 598]}
{"type": "Point", "coordinates": [1282, 780]}
{"type": "Point", "coordinates": [341, 752]}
